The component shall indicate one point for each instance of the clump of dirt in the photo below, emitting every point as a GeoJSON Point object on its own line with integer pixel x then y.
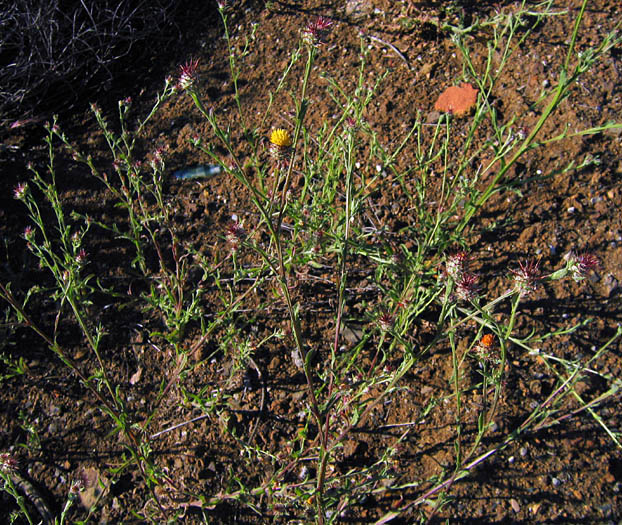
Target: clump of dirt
{"type": "Point", "coordinates": [458, 100]}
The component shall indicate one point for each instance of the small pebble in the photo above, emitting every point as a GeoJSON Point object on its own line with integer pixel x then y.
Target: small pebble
{"type": "Point", "coordinates": [523, 452]}
{"type": "Point", "coordinates": [555, 482]}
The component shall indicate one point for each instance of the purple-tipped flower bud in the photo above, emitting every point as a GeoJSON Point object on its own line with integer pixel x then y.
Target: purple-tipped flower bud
{"type": "Point", "coordinates": [20, 190]}
{"type": "Point", "coordinates": [29, 233]}
{"type": "Point", "coordinates": [526, 277]}
{"type": "Point", "coordinates": [457, 264]}
{"type": "Point", "coordinates": [235, 235]}
{"type": "Point", "coordinates": [385, 321]}
{"type": "Point", "coordinates": [467, 286]}
{"type": "Point", "coordinates": [316, 32]}
{"type": "Point", "coordinates": [81, 257]}
{"type": "Point", "coordinates": [188, 75]}
{"type": "Point", "coordinates": [7, 462]}
{"type": "Point", "coordinates": [580, 265]}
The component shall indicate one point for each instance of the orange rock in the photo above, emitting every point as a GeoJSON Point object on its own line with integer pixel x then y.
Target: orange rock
{"type": "Point", "coordinates": [457, 99]}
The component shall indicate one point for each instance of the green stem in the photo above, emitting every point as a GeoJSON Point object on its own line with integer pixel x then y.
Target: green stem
{"type": "Point", "coordinates": [562, 88]}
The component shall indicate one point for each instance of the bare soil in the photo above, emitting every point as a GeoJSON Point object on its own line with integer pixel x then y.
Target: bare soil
{"type": "Point", "coordinates": [568, 473]}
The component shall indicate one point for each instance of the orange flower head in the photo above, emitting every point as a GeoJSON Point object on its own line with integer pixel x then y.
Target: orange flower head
{"type": "Point", "coordinates": [487, 341]}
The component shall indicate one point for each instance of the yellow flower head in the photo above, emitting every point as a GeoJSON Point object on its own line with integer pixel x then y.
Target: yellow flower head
{"type": "Point", "coordinates": [281, 138]}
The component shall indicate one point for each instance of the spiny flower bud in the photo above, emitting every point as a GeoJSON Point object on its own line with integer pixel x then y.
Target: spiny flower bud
{"type": "Point", "coordinates": [457, 264]}
{"type": "Point", "coordinates": [235, 235]}
{"type": "Point", "coordinates": [467, 286]}
{"type": "Point", "coordinates": [81, 257]}
{"type": "Point", "coordinates": [580, 265]}
{"type": "Point", "coordinates": [7, 462]}
{"type": "Point", "coordinates": [526, 277]}
{"type": "Point", "coordinates": [385, 321]}
{"type": "Point", "coordinates": [29, 233]}
{"type": "Point", "coordinates": [316, 32]}
{"type": "Point", "coordinates": [188, 75]}
{"type": "Point", "coordinates": [20, 190]}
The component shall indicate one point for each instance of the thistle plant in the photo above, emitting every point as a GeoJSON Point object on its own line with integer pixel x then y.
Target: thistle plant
{"type": "Point", "coordinates": [396, 298]}
{"type": "Point", "coordinates": [409, 293]}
